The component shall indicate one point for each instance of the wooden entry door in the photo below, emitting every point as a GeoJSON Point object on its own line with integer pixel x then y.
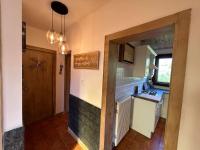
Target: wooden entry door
{"type": "Point", "coordinates": [38, 84]}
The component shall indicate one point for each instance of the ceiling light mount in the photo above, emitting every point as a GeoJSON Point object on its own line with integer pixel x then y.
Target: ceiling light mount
{"type": "Point", "coordinates": [59, 7]}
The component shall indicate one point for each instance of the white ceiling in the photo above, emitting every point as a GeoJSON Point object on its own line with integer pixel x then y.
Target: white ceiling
{"type": "Point", "coordinates": [37, 13]}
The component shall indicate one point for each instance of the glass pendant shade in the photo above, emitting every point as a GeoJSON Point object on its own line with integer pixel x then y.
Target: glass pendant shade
{"type": "Point", "coordinates": [61, 38]}
{"type": "Point", "coordinates": [52, 37]}
{"type": "Point", "coordinates": [63, 48]}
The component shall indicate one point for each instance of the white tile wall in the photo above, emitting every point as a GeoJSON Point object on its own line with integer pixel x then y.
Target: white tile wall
{"type": "Point", "coordinates": [125, 87]}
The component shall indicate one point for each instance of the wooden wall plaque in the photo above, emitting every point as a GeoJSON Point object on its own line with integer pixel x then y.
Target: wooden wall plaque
{"type": "Point", "coordinates": [87, 60]}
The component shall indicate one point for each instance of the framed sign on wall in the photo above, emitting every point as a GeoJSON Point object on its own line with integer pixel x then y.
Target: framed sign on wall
{"type": "Point", "coordinates": [87, 60]}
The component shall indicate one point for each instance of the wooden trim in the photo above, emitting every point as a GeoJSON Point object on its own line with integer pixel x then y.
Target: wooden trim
{"type": "Point", "coordinates": [180, 49]}
{"type": "Point", "coordinates": [40, 49]}
{"type": "Point", "coordinates": [108, 97]}
{"type": "Point", "coordinates": [83, 146]}
{"type": "Point", "coordinates": [181, 21]}
{"type": "Point", "coordinates": [54, 53]}
{"type": "Point", "coordinates": [54, 81]}
{"type": "Point", "coordinates": [139, 31]}
{"type": "Point", "coordinates": [67, 78]}
{"type": "Point", "coordinates": [1, 95]}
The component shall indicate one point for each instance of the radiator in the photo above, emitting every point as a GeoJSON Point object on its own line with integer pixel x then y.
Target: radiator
{"type": "Point", "coordinates": [122, 122]}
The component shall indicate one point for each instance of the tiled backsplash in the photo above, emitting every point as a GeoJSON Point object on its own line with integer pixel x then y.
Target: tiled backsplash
{"type": "Point", "coordinates": [124, 77]}
{"type": "Point", "coordinates": [120, 73]}
{"type": "Point", "coordinates": [124, 70]}
{"type": "Point", "coordinates": [125, 86]}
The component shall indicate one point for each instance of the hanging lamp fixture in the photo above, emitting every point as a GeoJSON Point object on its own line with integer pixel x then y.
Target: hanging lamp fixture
{"type": "Point", "coordinates": [61, 35]}
{"type": "Point", "coordinates": [51, 34]}
{"type": "Point", "coordinates": [54, 37]}
{"type": "Point", "coordinates": [63, 45]}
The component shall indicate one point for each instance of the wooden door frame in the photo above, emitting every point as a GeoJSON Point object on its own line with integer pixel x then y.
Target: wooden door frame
{"type": "Point", "coordinates": [1, 91]}
{"type": "Point", "coordinates": [181, 22]}
{"type": "Point", "coordinates": [29, 47]}
{"type": "Point", "coordinates": [67, 78]}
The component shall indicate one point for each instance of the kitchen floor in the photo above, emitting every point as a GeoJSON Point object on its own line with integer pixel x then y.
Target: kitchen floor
{"type": "Point", "coordinates": [50, 134]}
{"type": "Point", "coordinates": [135, 141]}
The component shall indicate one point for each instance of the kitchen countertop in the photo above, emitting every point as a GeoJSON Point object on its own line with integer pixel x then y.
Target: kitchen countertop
{"type": "Point", "coordinates": [154, 98]}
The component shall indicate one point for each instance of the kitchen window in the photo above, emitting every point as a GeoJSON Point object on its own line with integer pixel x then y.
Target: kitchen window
{"type": "Point", "coordinates": [163, 74]}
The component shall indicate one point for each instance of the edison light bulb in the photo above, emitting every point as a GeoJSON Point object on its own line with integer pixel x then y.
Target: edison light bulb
{"type": "Point", "coordinates": [63, 48]}
{"type": "Point", "coordinates": [60, 38]}
{"type": "Point", "coordinates": [52, 37]}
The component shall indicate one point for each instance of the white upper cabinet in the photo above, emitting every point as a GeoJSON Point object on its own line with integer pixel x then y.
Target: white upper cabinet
{"type": "Point", "coordinates": [144, 59]}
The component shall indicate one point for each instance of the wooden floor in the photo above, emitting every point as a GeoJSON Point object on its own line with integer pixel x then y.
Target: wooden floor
{"type": "Point", "coordinates": [50, 134]}
{"type": "Point", "coordinates": [135, 141]}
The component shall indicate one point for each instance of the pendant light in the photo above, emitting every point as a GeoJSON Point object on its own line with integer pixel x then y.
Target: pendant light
{"type": "Point", "coordinates": [54, 37]}
{"type": "Point", "coordinates": [51, 34]}
{"type": "Point", "coordinates": [61, 35]}
{"type": "Point", "coordinates": [64, 48]}
{"type": "Point", "coordinates": [63, 45]}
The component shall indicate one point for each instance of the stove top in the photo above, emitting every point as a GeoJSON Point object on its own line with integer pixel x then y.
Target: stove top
{"type": "Point", "coordinates": [150, 92]}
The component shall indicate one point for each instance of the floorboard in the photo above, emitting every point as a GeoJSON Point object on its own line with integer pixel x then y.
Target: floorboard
{"type": "Point", "coordinates": [135, 141]}
{"type": "Point", "coordinates": [50, 134]}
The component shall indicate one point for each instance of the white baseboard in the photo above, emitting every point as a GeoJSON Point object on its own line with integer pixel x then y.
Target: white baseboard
{"type": "Point", "coordinates": [77, 139]}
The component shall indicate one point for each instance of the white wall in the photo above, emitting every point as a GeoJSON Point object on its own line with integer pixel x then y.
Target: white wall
{"type": "Point", "coordinates": [164, 51]}
{"type": "Point", "coordinates": [37, 37]}
{"type": "Point", "coordinates": [11, 27]}
{"type": "Point", "coordinates": [89, 33]}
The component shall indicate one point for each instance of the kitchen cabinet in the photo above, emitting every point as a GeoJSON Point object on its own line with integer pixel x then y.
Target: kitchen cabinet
{"type": "Point", "coordinates": [144, 59]}
{"type": "Point", "coordinates": [145, 116]}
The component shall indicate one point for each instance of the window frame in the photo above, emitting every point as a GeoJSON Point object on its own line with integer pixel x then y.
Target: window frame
{"type": "Point", "coordinates": [155, 77]}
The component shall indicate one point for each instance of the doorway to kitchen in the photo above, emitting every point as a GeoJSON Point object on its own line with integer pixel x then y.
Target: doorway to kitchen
{"type": "Point", "coordinates": [142, 90]}
{"type": "Point", "coordinates": [180, 24]}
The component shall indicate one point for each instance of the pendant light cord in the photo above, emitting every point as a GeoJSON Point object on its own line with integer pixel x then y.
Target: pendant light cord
{"type": "Point", "coordinates": [52, 19]}
{"type": "Point", "coordinates": [61, 23]}
{"type": "Point", "coordinates": [64, 26]}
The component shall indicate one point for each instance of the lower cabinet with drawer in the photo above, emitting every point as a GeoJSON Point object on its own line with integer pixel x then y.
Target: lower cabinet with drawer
{"type": "Point", "coordinates": [145, 116]}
